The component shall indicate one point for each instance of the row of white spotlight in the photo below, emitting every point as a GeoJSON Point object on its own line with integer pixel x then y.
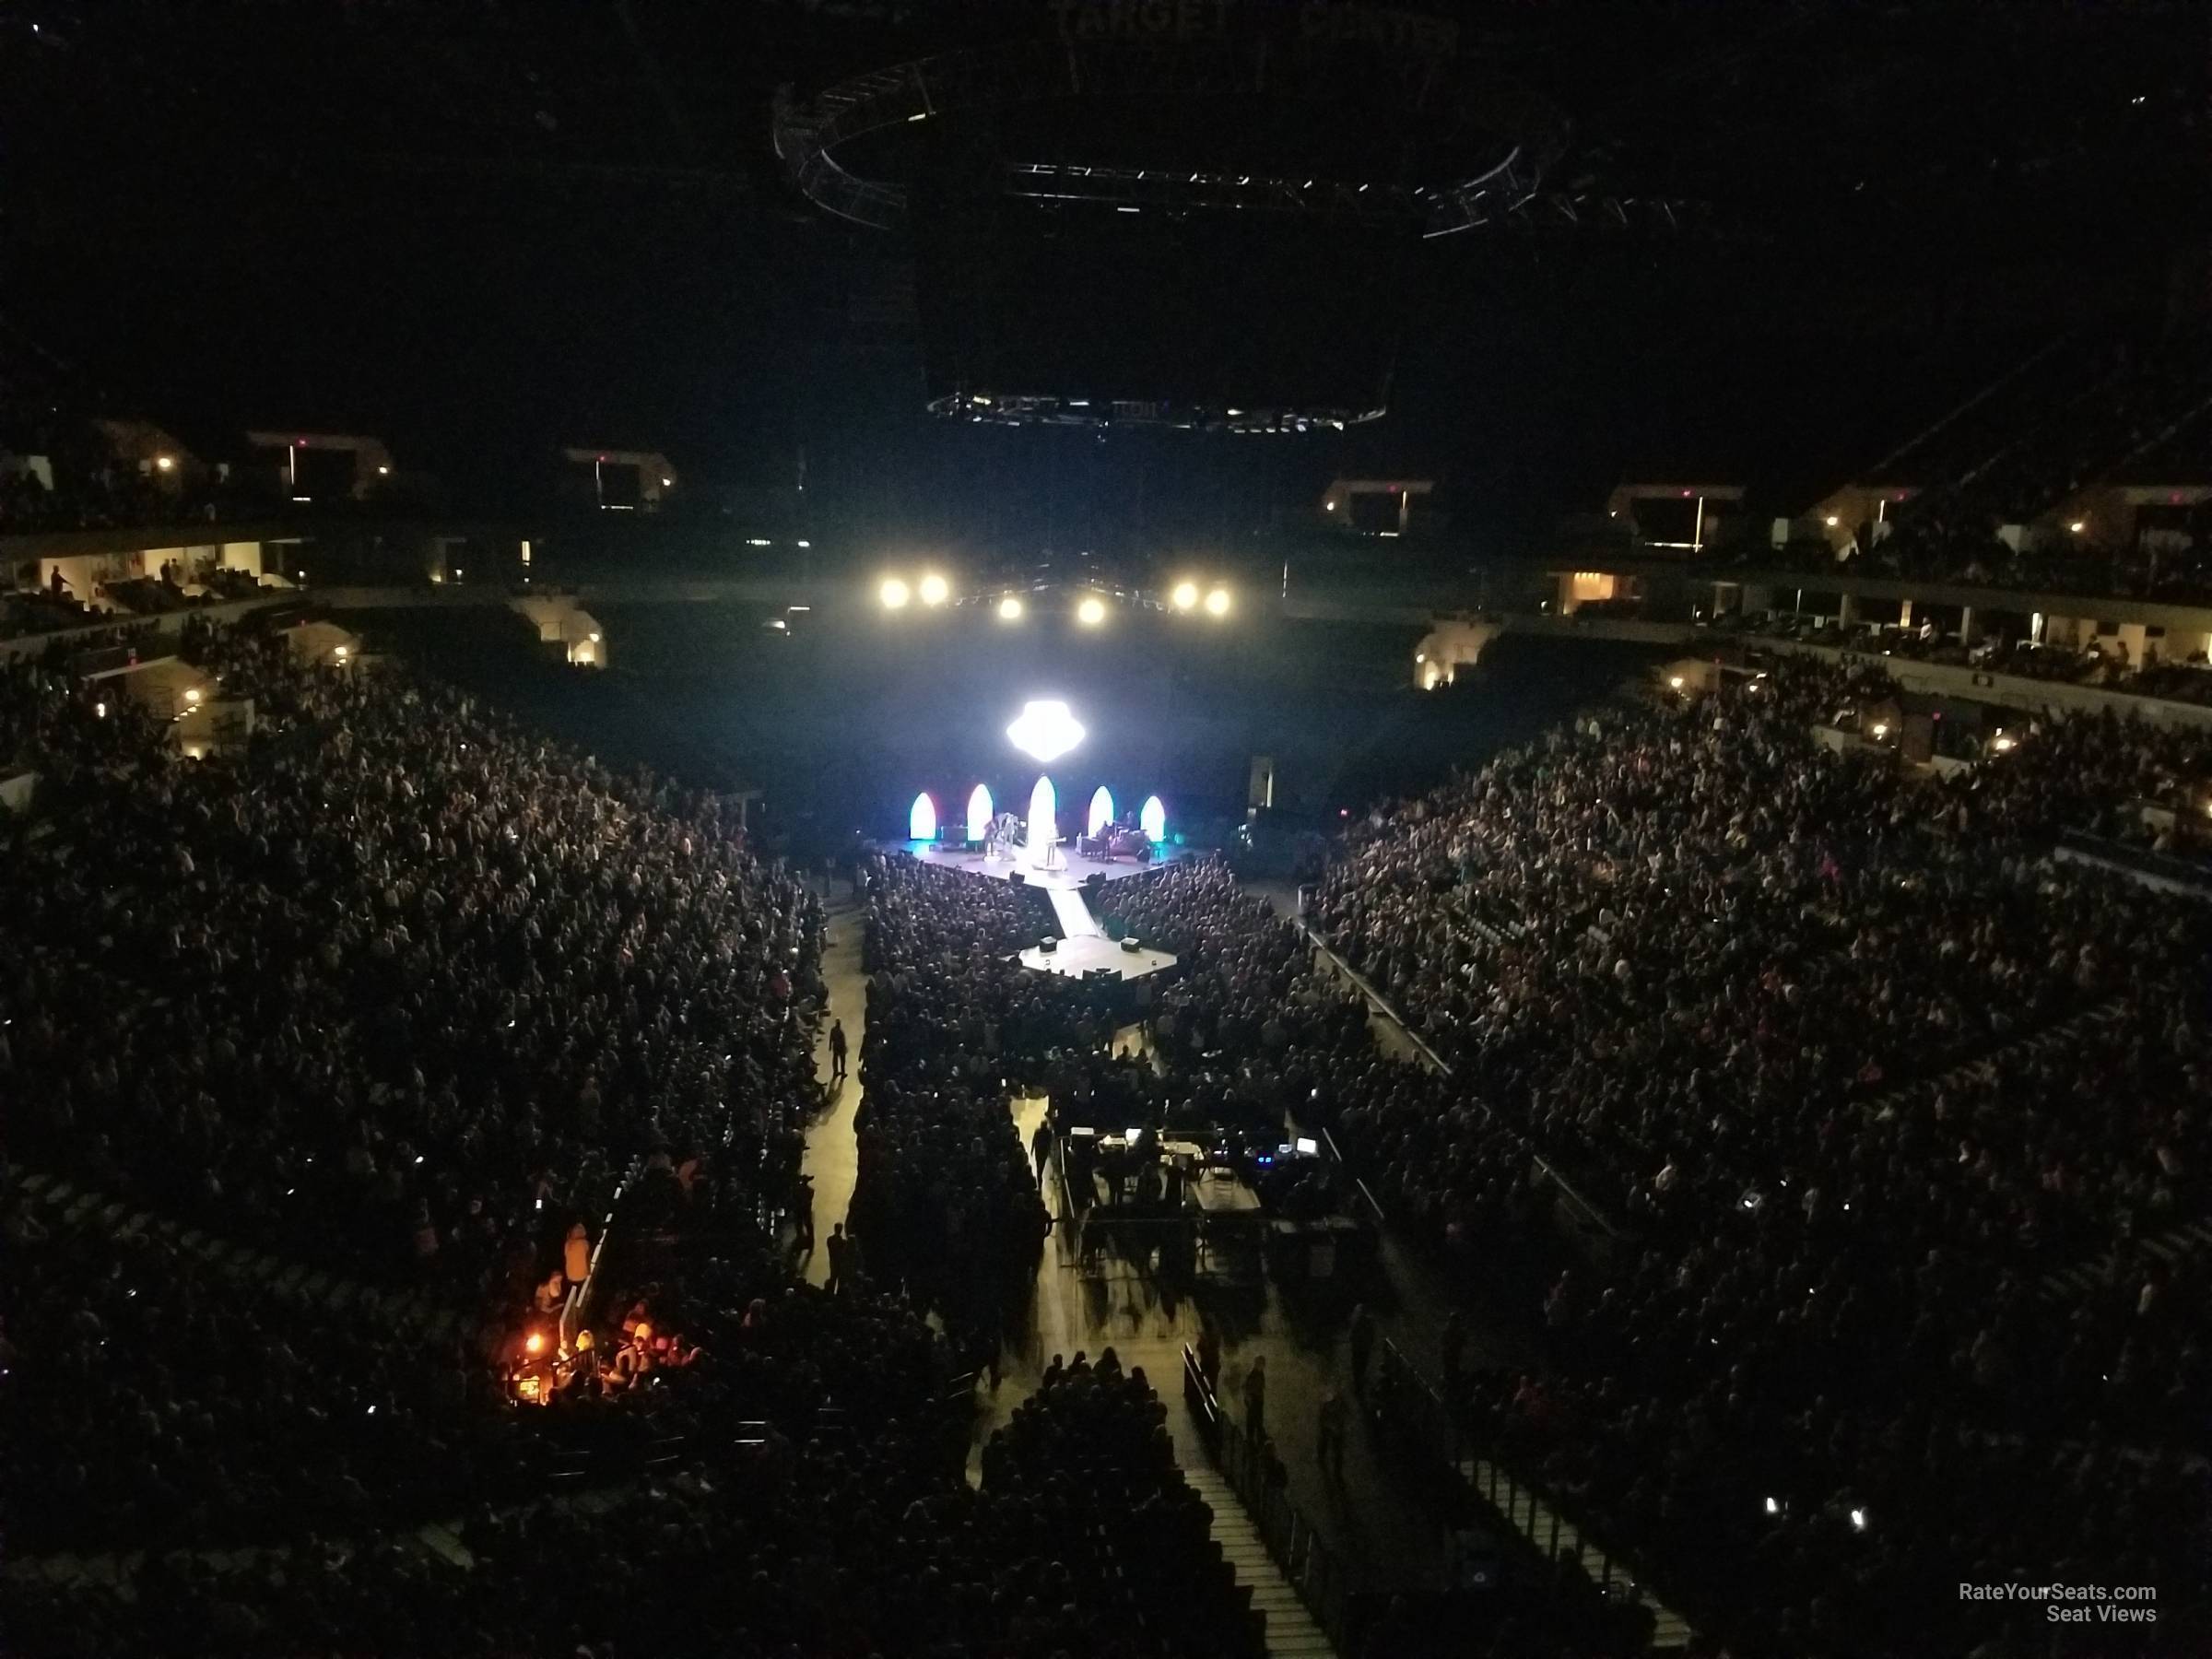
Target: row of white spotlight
{"type": "Point", "coordinates": [932, 591]}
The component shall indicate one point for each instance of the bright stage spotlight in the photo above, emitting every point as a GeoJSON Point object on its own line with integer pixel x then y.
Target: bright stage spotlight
{"type": "Point", "coordinates": [893, 592]}
{"type": "Point", "coordinates": [1009, 609]}
{"type": "Point", "coordinates": [1153, 820]}
{"type": "Point", "coordinates": [1186, 597]}
{"type": "Point", "coordinates": [922, 820]}
{"type": "Point", "coordinates": [979, 813]}
{"type": "Point", "coordinates": [1091, 612]}
{"type": "Point", "coordinates": [1101, 810]}
{"type": "Point", "coordinates": [936, 590]}
{"type": "Point", "coordinates": [1045, 731]}
{"type": "Point", "coordinates": [1217, 602]}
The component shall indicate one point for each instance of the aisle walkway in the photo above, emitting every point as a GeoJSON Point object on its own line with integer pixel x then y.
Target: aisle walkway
{"type": "Point", "coordinates": [1382, 1538]}
{"type": "Point", "coordinates": [833, 1155]}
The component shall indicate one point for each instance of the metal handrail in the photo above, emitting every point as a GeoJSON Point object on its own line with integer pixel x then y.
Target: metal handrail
{"type": "Point", "coordinates": [1509, 1494]}
{"type": "Point", "coordinates": [1293, 1543]}
{"type": "Point", "coordinates": [576, 1309]}
{"type": "Point", "coordinates": [1582, 1206]}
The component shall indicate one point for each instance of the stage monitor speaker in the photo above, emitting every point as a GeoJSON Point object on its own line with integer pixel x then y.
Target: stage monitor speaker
{"type": "Point", "coordinates": [1048, 945]}
{"type": "Point", "coordinates": [1017, 878]}
{"type": "Point", "coordinates": [1130, 945]}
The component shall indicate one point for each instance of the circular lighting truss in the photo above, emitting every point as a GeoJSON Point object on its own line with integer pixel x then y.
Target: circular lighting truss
{"type": "Point", "coordinates": [1527, 132]}
{"type": "Point", "coordinates": [1425, 139]}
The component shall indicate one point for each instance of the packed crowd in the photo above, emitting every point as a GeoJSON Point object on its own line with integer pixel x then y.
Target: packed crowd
{"type": "Point", "coordinates": [389, 985]}
{"type": "Point", "coordinates": [1860, 1069]}
{"type": "Point", "coordinates": [945, 1189]}
{"type": "Point", "coordinates": [161, 1405]}
{"type": "Point", "coordinates": [435, 983]}
{"type": "Point", "coordinates": [392, 990]}
{"type": "Point", "coordinates": [1082, 1540]}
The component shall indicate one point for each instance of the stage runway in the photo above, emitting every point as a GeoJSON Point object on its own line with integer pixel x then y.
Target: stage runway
{"type": "Point", "coordinates": [1076, 871]}
{"type": "Point", "coordinates": [1082, 947]}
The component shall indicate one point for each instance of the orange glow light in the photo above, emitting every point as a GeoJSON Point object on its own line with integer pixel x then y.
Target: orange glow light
{"type": "Point", "coordinates": [535, 1343]}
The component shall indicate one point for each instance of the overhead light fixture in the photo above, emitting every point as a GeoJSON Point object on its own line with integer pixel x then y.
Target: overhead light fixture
{"type": "Point", "coordinates": [1045, 730]}
{"type": "Point", "coordinates": [1009, 609]}
{"type": "Point", "coordinates": [936, 590]}
{"type": "Point", "coordinates": [1217, 602]}
{"type": "Point", "coordinates": [1091, 612]}
{"type": "Point", "coordinates": [1833, 521]}
{"type": "Point", "coordinates": [894, 593]}
{"type": "Point", "coordinates": [164, 462]}
{"type": "Point", "coordinates": [1186, 595]}
{"type": "Point", "coordinates": [2078, 527]}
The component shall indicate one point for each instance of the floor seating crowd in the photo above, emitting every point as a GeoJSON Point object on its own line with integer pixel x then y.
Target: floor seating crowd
{"type": "Point", "coordinates": [945, 1191]}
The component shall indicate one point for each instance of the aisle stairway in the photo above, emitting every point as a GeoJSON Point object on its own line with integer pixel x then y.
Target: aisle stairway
{"type": "Point", "coordinates": [2174, 1246]}
{"type": "Point", "coordinates": [1291, 1632]}
{"type": "Point", "coordinates": [1552, 1534]}
{"type": "Point", "coordinates": [61, 1205]}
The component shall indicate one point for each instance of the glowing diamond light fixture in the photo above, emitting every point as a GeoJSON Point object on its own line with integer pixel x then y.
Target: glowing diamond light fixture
{"type": "Point", "coordinates": [1045, 731]}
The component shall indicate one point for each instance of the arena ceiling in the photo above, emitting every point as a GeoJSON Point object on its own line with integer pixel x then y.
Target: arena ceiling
{"type": "Point", "coordinates": [580, 203]}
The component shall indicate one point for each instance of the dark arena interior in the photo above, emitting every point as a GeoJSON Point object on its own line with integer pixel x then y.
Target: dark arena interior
{"type": "Point", "coordinates": [1105, 829]}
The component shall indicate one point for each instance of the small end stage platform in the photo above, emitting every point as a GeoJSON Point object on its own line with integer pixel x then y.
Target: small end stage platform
{"type": "Point", "coordinates": [1083, 947]}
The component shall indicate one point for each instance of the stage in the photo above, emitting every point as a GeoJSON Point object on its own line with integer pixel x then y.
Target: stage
{"type": "Point", "coordinates": [1081, 954]}
{"type": "Point", "coordinates": [1074, 872]}
{"type": "Point", "coordinates": [1082, 947]}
